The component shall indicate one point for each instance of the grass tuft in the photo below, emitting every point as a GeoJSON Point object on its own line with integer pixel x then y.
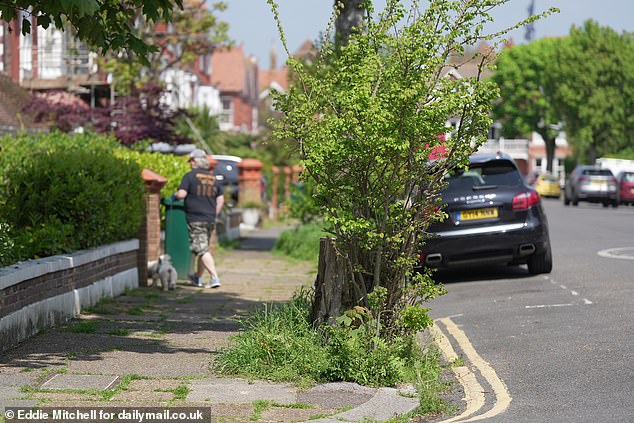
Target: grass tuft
{"type": "Point", "coordinates": [301, 243]}
{"type": "Point", "coordinates": [83, 326]}
{"type": "Point", "coordinates": [279, 343]}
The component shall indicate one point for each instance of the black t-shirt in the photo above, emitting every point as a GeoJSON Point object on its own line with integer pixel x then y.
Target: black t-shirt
{"type": "Point", "coordinates": [202, 190]}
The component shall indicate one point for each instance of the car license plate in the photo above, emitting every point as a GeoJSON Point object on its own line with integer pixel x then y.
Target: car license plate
{"type": "Point", "coordinates": [632, 190]}
{"type": "Point", "coordinates": [599, 182]}
{"type": "Point", "coordinates": [477, 214]}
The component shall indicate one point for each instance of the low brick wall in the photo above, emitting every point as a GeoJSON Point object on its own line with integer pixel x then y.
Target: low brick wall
{"type": "Point", "coordinates": [42, 293]}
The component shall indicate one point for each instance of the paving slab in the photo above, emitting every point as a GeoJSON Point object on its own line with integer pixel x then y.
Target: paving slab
{"type": "Point", "coordinates": [10, 397]}
{"type": "Point", "coordinates": [62, 382]}
{"type": "Point", "coordinates": [152, 361]}
{"type": "Point", "coordinates": [385, 404]}
{"type": "Point", "coordinates": [337, 395]}
{"type": "Point", "coordinates": [240, 391]}
{"type": "Point", "coordinates": [17, 379]}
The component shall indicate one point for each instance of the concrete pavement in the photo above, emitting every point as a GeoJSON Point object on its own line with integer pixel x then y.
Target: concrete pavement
{"type": "Point", "coordinates": [149, 348]}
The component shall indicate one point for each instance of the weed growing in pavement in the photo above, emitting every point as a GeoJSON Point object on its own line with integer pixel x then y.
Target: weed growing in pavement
{"type": "Point", "coordinates": [181, 392]}
{"type": "Point", "coordinates": [83, 326]}
{"type": "Point", "coordinates": [136, 311]}
{"type": "Point", "coordinates": [458, 362]}
{"type": "Point", "coordinates": [279, 343]}
{"type": "Point", "coordinates": [119, 332]}
{"type": "Point", "coordinates": [261, 406]}
{"type": "Point", "coordinates": [101, 307]}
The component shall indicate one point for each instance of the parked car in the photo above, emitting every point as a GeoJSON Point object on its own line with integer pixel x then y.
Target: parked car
{"type": "Point", "coordinates": [547, 185]}
{"type": "Point", "coordinates": [592, 184]}
{"type": "Point", "coordinates": [493, 217]}
{"type": "Point", "coordinates": [625, 181]}
{"type": "Point", "coordinates": [227, 172]}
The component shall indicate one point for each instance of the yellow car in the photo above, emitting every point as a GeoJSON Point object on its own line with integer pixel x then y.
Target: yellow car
{"type": "Point", "coordinates": [547, 186]}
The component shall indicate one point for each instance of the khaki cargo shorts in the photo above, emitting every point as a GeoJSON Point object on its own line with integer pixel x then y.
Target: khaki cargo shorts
{"type": "Point", "coordinates": [200, 237]}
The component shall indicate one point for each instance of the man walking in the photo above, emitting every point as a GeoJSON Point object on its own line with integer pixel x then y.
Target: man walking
{"type": "Point", "coordinates": [204, 199]}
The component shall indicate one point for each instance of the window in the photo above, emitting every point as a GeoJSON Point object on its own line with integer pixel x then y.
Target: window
{"type": "Point", "coordinates": [227, 110]}
{"type": "Point", "coordinates": [492, 173]}
{"type": "Point", "coordinates": [203, 64]}
{"type": "Point", "coordinates": [538, 163]}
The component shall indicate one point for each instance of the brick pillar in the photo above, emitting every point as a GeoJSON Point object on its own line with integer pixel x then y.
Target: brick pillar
{"type": "Point", "coordinates": [287, 183]}
{"type": "Point", "coordinates": [150, 232]}
{"type": "Point", "coordinates": [250, 187]}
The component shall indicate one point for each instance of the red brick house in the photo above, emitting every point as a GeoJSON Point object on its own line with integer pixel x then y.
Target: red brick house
{"type": "Point", "coordinates": [236, 77]}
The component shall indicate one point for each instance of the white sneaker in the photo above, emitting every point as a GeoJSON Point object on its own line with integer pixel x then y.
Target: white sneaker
{"type": "Point", "coordinates": [214, 283]}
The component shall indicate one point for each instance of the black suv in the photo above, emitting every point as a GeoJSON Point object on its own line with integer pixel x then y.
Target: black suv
{"type": "Point", "coordinates": [493, 217]}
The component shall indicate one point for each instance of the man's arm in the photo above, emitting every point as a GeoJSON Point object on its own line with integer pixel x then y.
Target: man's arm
{"type": "Point", "coordinates": [181, 194]}
{"type": "Point", "coordinates": [220, 201]}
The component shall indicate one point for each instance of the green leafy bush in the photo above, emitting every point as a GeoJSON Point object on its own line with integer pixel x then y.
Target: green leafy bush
{"type": "Point", "coordinates": [167, 165]}
{"type": "Point", "coordinates": [277, 343]}
{"type": "Point", "coordinates": [280, 343]}
{"type": "Point", "coordinates": [7, 245]}
{"type": "Point", "coordinates": [62, 193]}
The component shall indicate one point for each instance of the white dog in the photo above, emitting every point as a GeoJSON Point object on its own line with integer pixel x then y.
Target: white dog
{"type": "Point", "coordinates": [163, 271]}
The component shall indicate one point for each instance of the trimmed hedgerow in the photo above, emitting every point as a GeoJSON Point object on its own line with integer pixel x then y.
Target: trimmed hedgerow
{"type": "Point", "coordinates": [167, 165]}
{"type": "Point", "coordinates": [61, 193]}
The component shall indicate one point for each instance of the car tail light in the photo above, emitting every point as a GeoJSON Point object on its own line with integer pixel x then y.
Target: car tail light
{"type": "Point", "coordinates": [525, 200]}
{"type": "Point", "coordinates": [583, 179]}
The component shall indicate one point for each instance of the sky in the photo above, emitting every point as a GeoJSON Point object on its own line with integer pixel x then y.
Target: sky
{"type": "Point", "coordinates": [251, 21]}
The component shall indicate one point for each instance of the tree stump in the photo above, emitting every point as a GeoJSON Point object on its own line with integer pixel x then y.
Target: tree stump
{"type": "Point", "coordinates": [332, 288]}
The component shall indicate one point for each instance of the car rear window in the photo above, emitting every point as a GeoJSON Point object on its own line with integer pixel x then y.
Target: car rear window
{"type": "Point", "coordinates": [229, 169]}
{"type": "Point", "coordinates": [494, 173]}
{"type": "Point", "coordinates": [597, 172]}
{"type": "Point", "coordinates": [628, 177]}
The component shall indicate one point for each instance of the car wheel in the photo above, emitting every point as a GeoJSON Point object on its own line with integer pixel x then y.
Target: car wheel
{"type": "Point", "coordinates": [605, 204]}
{"type": "Point", "coordinates": [541, 263]}
{"type": "Point", "coordinates": [615, 203]}
{"type": "Point", "coordinates": [575, 201]}
{"type": "Point", "coordinates": [566, 200]}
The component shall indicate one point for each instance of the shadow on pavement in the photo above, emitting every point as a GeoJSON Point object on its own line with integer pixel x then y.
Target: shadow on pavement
{"type": "Point", "coordinates": [484, 273]}
{"type": "Point", "coordinates": [187, 321]}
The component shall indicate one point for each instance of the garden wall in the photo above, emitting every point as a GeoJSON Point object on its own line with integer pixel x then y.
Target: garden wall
{"type": "Point", "coordinates": [47, 292]}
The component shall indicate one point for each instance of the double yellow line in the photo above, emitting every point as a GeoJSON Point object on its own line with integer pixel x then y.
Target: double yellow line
{"type": "Point", "coordinates": [474, 392]}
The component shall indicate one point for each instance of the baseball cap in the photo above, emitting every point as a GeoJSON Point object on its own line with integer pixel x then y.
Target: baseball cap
{"type": "Point", "coordinates": [197, 153]}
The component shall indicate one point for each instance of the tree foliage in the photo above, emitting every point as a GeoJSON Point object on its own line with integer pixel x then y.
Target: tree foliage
{"type": "Point", "coordinates": [103, 24]}
{"type": "Point", "coordinates": [194, 31]}
{"type": "Point", "coordinates": [140, 116]}
{"type": "Point", "coordinates": [524, 75]}
{"type": "Point", "coordinates": [365, 121]}
{"type": "Point", "coordinates": [594, 78]}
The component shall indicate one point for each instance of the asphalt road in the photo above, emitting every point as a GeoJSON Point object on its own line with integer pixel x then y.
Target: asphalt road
{"type": "Point", "coordinates": [563, 343]}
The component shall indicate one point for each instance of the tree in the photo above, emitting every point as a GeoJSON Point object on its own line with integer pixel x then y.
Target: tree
{"type": "Point", "coordinates": [103, 24]}
{"type": "Point", "coordinates": [594, 77]}
{"type": "Point", "coordinates": [140, 116]}
{"type": "Point", "coordinates": [365, 121]}
{"type": "Point", "coordinates": [524, 75]}
{"type": "Point", "coordinates": [194, 31]}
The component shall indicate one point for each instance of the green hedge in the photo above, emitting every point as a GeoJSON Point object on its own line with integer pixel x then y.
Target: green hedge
{"type": "Point", "coordinates": [61, 193]}
{"type": "Point", "coordinates": [167, 165]}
